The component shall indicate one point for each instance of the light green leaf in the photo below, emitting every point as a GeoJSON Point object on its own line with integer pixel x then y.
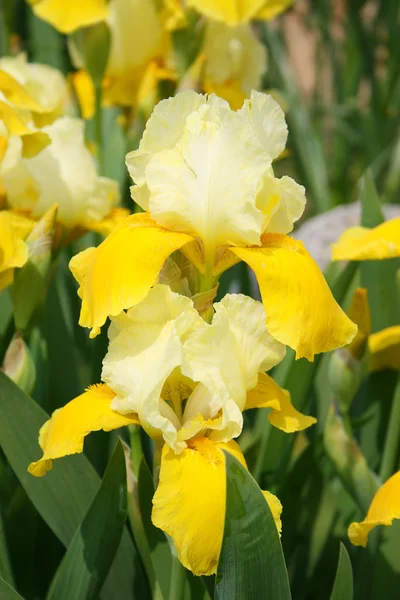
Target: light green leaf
{"type": "Point", "coordinates": [91, 552]}
{"type": "Point", "coordinates": [251, 564]}
{"type": "Point", "coordinates": [64, 495]}
{"type": "Point", "coordinates": [343, 585]}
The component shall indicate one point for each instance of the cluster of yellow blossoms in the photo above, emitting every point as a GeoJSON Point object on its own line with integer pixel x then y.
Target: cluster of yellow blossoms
{"type": "Point", "coordinates": [181, 367]}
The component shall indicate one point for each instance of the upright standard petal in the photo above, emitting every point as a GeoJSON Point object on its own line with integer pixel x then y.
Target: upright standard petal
{"type": "Point", "coordinates": [64, 433]}
{"type": "Point", "coordinates": [145, 348]}
{"type": "Point", "coordinates": [227, 355]}
{"type": "Point", "coordinates": [120, 272]}
{"type": "Point", "coordinates": [301, 311]}
{"type": "Point", "coordinates": [284, 416]}
{"type": "Point", "coordinates": [361, 243]}
{"type": "Point", "coordinates": [267, 121]}
{"type": "Point", "coordinates": [206, 185]}
{"type": "Point", "coordinates": [71, 15]}
{"type": "Point", "coordinates": [189, 503]}
{"type": "Point", "coordinates": [384, 347]}
{"type": "Point", "coordinates": [384, 508]}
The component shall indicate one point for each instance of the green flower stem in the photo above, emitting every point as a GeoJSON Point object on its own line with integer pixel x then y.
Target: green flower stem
{"type": "Point", "coordinates": [178, 579]}
{"type": "Point", "coordinates": [391, 449]}
{"type": "Point", "coordinates": [98, 124]}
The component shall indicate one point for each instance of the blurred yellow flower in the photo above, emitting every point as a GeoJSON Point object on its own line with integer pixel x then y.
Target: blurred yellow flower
{"type": "Point", "coordinates": [67, 16]}
{"type": "Point", "coordinates": [204, 175]}
{"type": "Point", "coordinates": [235, 12]}
{"type": "Point", "coordinates": [186, 382]}
{"type": "Point", "coordinates": [14, 229]}
{"type": "Point", "coordinates": [384, 508]}
{"type": "Point", "coordinates": [63, 173]}
{"type": "Point", "coordinates": [137, 58]}
{"type": "Point", "coordinates": [362, 243]}
{"type": "Point", "coordinates": [235, 62]}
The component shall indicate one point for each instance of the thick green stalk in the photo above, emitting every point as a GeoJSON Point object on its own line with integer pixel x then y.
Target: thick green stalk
{"type": "Point", "coordinates": [178, 580]}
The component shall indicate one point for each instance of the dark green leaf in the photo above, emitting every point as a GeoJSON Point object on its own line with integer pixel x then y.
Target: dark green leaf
{"type": "Point", "coordinates": [251, 564]}
{"type": "Point", "coordinates": [91, 552]}
{"type": "Point", "coordinates": [7, 592]}
{"type": "Point", "coordinates": [343, 586]}
{"type": "Point", "coordinates": [64, 495]}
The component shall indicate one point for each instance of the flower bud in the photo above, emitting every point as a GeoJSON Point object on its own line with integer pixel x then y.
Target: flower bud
{"type": "Point", "coordinates": [18, 365]}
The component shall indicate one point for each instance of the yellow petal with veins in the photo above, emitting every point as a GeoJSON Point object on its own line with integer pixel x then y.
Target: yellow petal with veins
{"type": "Point", "coordinates": [120, 272]}
{"type": "Point", "coordinates": [189, 503]}
{"type": "Point", "coordinates": [64, 433]}
{"type": "Point", "coordinates": [268, 394]}
{"type": "Point", "coordinates": [361, 243]}
{"type": "Point", "coordinates": [384, 347]}
{"type": "Point", "coordinates": [301, 311]}
{"type": "Point", "coordinates": [384, 508]}
{"type": "Point", "coordinates": [69, 16]}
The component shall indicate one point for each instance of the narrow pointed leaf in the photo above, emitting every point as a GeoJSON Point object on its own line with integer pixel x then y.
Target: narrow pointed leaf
{"type": "Point", "coordinates": [251, 564]}
{"type": "Point", "coordinates": [91, 552]}
{"type": "Point", "coordinates": [7, 592]}
{"type": "Point", "coordinates": [343, 585]}
{"type": "Point", "coordinates": [62, 497]}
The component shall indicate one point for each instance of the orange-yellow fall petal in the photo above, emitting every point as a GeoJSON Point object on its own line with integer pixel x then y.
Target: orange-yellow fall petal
{"type": "Point", "coordinates": [301, 311]}
{"type": "Point", "coordinates": [361, 243]}
{"type": "Point", "coordinates": [67, 16]}
{"type": "Point", "coordinates": [268, 394]}
{"type": "Point", "coordinates": [384, 347]}
{"type": "Point", "coordinates": [119, 273]}
{"type": "Point", "coordinates": [384, 508]}
{"type": "Point", "coordinates": [64, 433]}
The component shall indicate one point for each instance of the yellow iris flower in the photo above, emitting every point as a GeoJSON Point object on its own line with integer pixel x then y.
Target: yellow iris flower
{"type": "Point", "coordinates": [362, 243]}
{"type": "Point", "coordinates": [384, 508]}
{"type": "Point", "coordinates": [204, 176]}
{"type": "Point", "coordinates": [235, 62]}
{"type": "Point", "coordinates": [187, 383]}
{"type": "Point", "coordinates": [71, 15]}
{"type": "Point", "coordinates": [14, 229]}
{"type": "Point", "coordinates": [235, 12]}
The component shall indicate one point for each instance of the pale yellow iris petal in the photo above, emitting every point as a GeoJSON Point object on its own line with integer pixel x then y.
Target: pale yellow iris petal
{"type": "Point", "coordinates": [360, 243]}
{"type": "Point", "coordinates": [13, 250]}
{"type": "Point", "coordinates": [63, 434]}
{"type": "Point", "coordinates": [15, 93]}
{"type": "Point", "coordinates": [301, 311]}
{"type": "Point", "coordinates": [33, 141]}
{"type": "Point", "coordinates": [235, 62]}
{"type": "Point", "coordinates": [282, 201]}
{"type": "Point", "coordinates": [206, 185]}
{"type": "Point", "coordinates": [189, 503]}
{"type": "Point", "coordinates": [65, 173]}
{"type": "Point", "coordinates": [227, 355]}
{"type": "Point", "coordinates": [231, 12]}
{"type": "Point", "coordinates": [384, 508]}
{"type": "Point", "coordinates": [120, 272]}
{"type": "Point", "coordinates": [268, 394]}
{"type": "Point", "coordinates": [267, 122]}
{"type": "Point", "coordinates": [71, 15]}
{"type": "Point", "coordinates": [145, 348]}
{"type": "Point", "coordinates": [384, 347]}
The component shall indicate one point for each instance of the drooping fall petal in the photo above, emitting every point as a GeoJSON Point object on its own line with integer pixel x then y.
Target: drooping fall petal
{"type": "Point", "coordinates": [119, 273]}
{"type": "Point", "coordinates": [384, 508]}
{"type": "Point", "coordinates": [63, 434]}
{"type": "Point", "coordinates": [268, 394]}
{"type": "Point", "coordinates": [361, 243]}
{"type": "Point", "coordinates": [71, 15]}
{"type": "Point", "coordinates": [384, 347]}
{"type": "Point", "coordinates": [189, 503]}
{"type": "Point", "coordinates": [301, 311]}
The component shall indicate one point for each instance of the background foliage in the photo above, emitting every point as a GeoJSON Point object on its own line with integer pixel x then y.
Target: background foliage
{"type": "Point", "coordinates": [335, 66]}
